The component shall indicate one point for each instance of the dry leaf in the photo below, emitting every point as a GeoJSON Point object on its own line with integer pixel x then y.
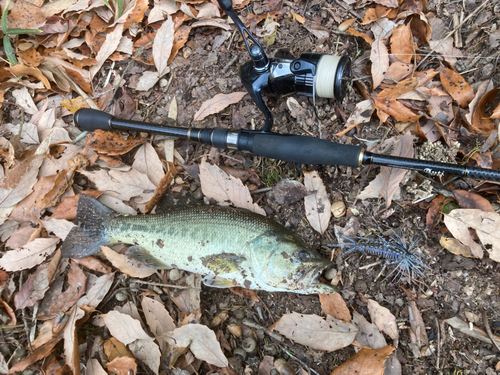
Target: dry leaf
{"type": "Point", "coordinates": [36, 355]}
{"type": "Point", "coordinates": [148, 352]}
{"type": "Point", "coordinates": [122, 366]}
{"type": "Point", "coordinates": [317, 204]}
{"type": "Point", "coordinates": [417, 325]}
{"type": "Point", "coordinates": [29, 133]}
{"type": "Point", "coordinates": [368, 334]}
{"type": "Point", "coordinates": [24, 99]}
{"type": "Point", "coordinates": [56, 302]}
{"type": "Point", "coordinates": [445, 47]}
{"type": "Point", "coordinates": [361, 114]}
{"type": "Point", "coordinates": [384, 320]}
{"type": "Point", "coordinates": [379, 57]}
{"type": "Point", "coordinates": [162, 46]}
{"type": "Point", "coordinates": [95, 368]}
{"type": "Point", "coordinates": [19, 181]}
{"type": "Point", "coordinates": [217, 104]}
{"type": "Point", "coordinates": [475, 332]}
{"type": "Point", "coordinates": [334, 305]}
{"type": "Point", "coordinates": [456, 247]}
{"type": "Point", "coordinates": [366, 362]}
{"type": "Point", "coordinates": [400, 89]}
{"type": "Point", "coordinates": [60, 227]}
{"type": "Point", "coordinates": [124, 328]}
{"type": "Point", "coordinates": [180, 38]}
{"type": "Point", "coordinates": [126, 264]}
{"type": "Point", "coordinates": [393, 176]}
{"type": "Point", "coordinates": [30, 255]}
{"type": "Point", "coordinates": [20, 237]}
{"type": "Point", "coordinates": [147, 80]}
{"type": "Point", "coordinates": [496, 112]}
{"type": "Point", "coordinates": [354, 32]}
{"type": "Point", "coordinates": [147, 161]}
{"type": "Point", "coordinates": [486, 225]}
{"type": "Point", "coordinates": [122, 185]}
{"type": "Point", "coordinates": [158, 319]}
{"type": "Point", "coordinates": [71, 340]}
{"type": "Point", "coordinates": [396, 109]}
{"type": "Point", "coordinates": [298, 18]}
{"type": "Point", "coordinates": [225, 189]}
{"type": "Point", "coordinates": [111, 143]}
{"type": "Point", "coordinates": [402, 46]}
{"type": "Point", "coordinates": [201, 341]}
{"type": "Point", "coordinates": [160, 8]}
{"type": "Point", "coordinates": [245, 293]}
{"type": "Point", "coordinates": [37, 284]}
{"type": "Point", "coordinates": [481, 123]}
{"type": "Point", "coordinates": [456, 86]}
{"type": "Point", "coordinates": [107, 49]}
{"type": "Point", "coordinates": [316, 332]}
{"type": "Point", "coordinates": [96, 293]}
{"type": "Point", "coordinates": [468, 199]}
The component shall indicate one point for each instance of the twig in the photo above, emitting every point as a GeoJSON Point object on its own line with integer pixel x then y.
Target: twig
{"type": "Point", "coordinates": [488, 329]}
{"type": "Point", "coordinates": [453, 31]}
{"type": "Point", "coordinates": [164, 285]}
{"type": "Point", "coordinates": [272, 334]}
{"type": "Point", "coordinates": [299, 361]}
{"type": "Point", "coordinates": [439, 344]}
{"type": "Point", "coordinates": [231, 62]}
{"type": "Point", "coordinates": [263, 190]}
{"type": "Point", "coordinates": [346, 7]}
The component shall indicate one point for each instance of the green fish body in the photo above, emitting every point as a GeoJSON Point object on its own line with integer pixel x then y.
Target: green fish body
{"type": "Point", "coordinates": [232, 247]}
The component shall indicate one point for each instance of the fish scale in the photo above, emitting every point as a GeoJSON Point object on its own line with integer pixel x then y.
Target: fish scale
{"type": "Point", "coordinates": [231, 247]}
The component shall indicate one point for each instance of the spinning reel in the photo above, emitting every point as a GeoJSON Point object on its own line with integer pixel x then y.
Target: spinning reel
{"type": "Point", "coordinates": [312, 74]}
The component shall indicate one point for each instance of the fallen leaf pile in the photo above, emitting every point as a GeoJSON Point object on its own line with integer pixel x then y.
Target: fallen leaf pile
{"type": "Point", "coordinates": [110, 313]}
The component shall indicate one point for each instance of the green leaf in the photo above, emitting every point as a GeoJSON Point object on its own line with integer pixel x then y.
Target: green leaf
{"type": "Point", "coordinates": [450, 206]}
{"type": "Point", "coordinates": [9, 51]}
{"type": "Point", "coordinates": [107, 4]}
{"type": "Point", "coordinates": [22, 31]}
{"type": "Point", "coordinates": [120, 7]}
{"type": "Point", "coordinates": [4, 17]}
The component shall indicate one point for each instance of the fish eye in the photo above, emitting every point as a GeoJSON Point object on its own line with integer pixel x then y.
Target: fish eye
{"type": "Point", "coordinates": [304, 255]}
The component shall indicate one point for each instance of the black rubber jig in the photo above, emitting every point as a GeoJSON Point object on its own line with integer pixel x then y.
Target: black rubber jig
{"type": "Point", "coordinates": [396, 251]}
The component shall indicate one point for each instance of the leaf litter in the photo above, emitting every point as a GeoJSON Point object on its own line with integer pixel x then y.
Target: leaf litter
{"type": "Point", "coordinates": [399, 35]}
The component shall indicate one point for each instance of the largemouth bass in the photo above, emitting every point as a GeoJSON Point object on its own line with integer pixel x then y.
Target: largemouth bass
{"type": "Point", "coordinates": [232, 247]}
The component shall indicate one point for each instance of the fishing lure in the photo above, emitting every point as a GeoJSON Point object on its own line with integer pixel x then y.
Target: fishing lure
{"type": "Point", "coordinates": [396, 251]}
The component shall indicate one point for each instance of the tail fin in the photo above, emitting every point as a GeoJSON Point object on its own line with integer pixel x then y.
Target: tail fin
{"type": "Point", "coordinates": [85, 239]}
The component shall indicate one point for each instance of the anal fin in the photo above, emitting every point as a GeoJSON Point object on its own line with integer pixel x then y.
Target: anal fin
{"type": "Point", "coordinates": [144, 256]}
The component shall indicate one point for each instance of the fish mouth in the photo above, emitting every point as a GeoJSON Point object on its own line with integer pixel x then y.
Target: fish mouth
{"type": "Point", "coordinates": [312, 276]}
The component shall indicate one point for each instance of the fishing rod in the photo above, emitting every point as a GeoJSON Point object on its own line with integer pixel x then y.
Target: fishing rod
{"type": "Point", "coordinates": [312, 74]}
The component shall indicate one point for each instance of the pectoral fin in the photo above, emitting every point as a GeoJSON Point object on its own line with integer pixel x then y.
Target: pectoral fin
{"type": "Point", "coordinates": [217, 282]}
{"type": "Point", "coordinates": [145, 257]}
{"type": "Point", "coordinates": [223, 263]}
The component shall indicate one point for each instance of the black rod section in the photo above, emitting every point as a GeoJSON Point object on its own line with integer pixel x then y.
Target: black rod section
{"type": "Point", "coordinates": [292, 148]}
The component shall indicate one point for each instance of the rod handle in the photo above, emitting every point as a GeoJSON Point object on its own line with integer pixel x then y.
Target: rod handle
{"type": "Point", "coordinates": [300, 149]}
{"type": "Point", "coordinates": [90, 119]}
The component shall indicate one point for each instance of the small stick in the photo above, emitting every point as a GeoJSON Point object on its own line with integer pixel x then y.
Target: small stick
{"type": "Point", "coordinates": [231, 62]}
{"type": "Point", "coordinates": [164, 285]}
{"type": "Point", "coordinates": [439, 344]}
{"type": "Point", "coordinates": [272, 334]}
{"type": "Point", "coordinates": [346, 7]}
{"type": "Point", "coordinates": [488, 329]}
{"type": "Point", "coordinates": [299, 361]}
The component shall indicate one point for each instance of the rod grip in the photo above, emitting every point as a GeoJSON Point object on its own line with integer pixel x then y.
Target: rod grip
{"type": "Point", "coordinates": [91, 119]}
{"type": "Point", "coordinates": [303, 149]}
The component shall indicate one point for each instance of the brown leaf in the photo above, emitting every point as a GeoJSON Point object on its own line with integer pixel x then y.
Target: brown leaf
{"type": "Point", "coordinates": [370, 16]}
{"type": "Point", "coordinates": [245, 293]}
{"type": "Point", "coordinates": [433, 216]}
{"type": "Point", "coordinates": [399, 70]}
{"type": "Point", "coordinates": [67, 208]}
{"type": "Point", "coordinates": [316, 332]}
{"type": "Point", "coordinates": [20, 237]}
{"type": "Point", "coordinates": [37, 284]}
{"type": "Point", "coordinates": [486, 225]}
{"type": "Point", "coordinates": [361, 114]}
{"type": "Point", "coordinates": [36, 355]}
{"type": "Point", "coordinates": [54, 304]}
{"type": "Point", "coordinates": [201, 341]}
{"type": "Point", "coordinates": [10, 312]}
{"type": "Point", "coordinates": [496, 112]}
{"type": "Point", "coordinates": [23, 70]}
{"type": "Point", "coordinates": [468, 199]}
{"type": "Point", "coordinates": [400, 89]}
{"type": "Point", "coordinates": [137, 14]}
{"type": "Point", "coordinates": [122, 366]}
{"type": "Point", "coordinates": [266, 365]}
{"type": "Point", "coordinates": [388, 3]}
{"type": "Point", "coordinates": [384, 320]}
{"type": "Point", "coordinates": [417, 325]}
{"type": "Point", "coordinates": [111, 143]}
{"type": "Point", "coordinates": [19, 181]}
{"type": "Point", "coordinates": [395, 109]}
{"type": "Point", "coordinates": [481, 123]}
{"type": "Point", "coordinates": [126, 264]}
{"type": "Point", "coordinates": [124, 328]}
{"type": "Point", "coordinates": [454, 246]}
{"type": "Point", "coordinates": [217, 104]}
{"type": "Point", "coordinates": [115, 349]}
{"type": "Point", "coordinates": [108, 47]}
{"type": "Point", "coordinates": [456, 86]}
{"type": "Point", "coordinates": [97, 291]}
{"type": "Point", "coordinates": [225, 189]}
{"type": "Point", "coordinates": [159, 191]}
{"type": "Point", "coordinates": [334, 305]}
{"type": "Point", "coordinates": [366, 362]}
{"type": "Point", "coordinates": [93, 264]}
{"type": "Point", "coordinates": [30, 255]}
{"type": "Point", "coordinates": [158, 319]}
{"type": "Point", "coordinates": [62, 182]}
{"type": "Point", "coordinates": [147, 161]}
{"type": "Point", "coordinates": [25, 15]}
{"type": "Point", "coordinates": [379, 57]}
{"type": "Point", "coordinates": [368, 334]}
{"type": "Point", "coordinates": [162, 46]}
{"type": "Point", "coordinates": [148, 352]}
{"type": "Point", "coordinates": [317, 204]}
{"type": "Point", "coordinates": [71, 340]}
{"type": "Point", "coordinates": [354, 32]}
{"type": "Point", "coordinates": [95, 368]}
{"type": "Point", "coordinates": [180, 38]}
{"type": "Point", "coordinates": [475, 332]}
{"type": "Point", "coordinates": [393, 176]}
{"type": "Point", "coordinates": [402, 45]}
